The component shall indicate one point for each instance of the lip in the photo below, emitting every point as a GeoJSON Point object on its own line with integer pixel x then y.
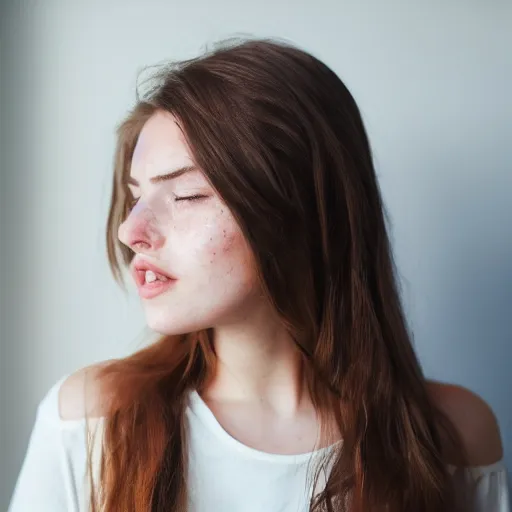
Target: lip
{"type": "Point", "coordinates": [150, 290]}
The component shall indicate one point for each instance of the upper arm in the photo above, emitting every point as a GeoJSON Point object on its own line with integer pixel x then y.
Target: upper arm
{"type": "Point", "coordinates": [46, 477]}
{"type": "Point", "coordinates": [474, 420]}
{"type": "Point", "coordinates": [41, 481]}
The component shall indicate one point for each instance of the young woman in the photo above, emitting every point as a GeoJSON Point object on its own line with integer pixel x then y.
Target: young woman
{"type": "Point", "coordinates": [246, 206]}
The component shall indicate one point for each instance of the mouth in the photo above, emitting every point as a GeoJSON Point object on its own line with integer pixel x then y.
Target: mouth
{"type": "Point", "coordinates": [151, 281]}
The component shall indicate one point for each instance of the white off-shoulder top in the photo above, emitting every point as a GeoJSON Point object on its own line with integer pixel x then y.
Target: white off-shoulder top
{"type": "Point", "coordinates": [224, 475]}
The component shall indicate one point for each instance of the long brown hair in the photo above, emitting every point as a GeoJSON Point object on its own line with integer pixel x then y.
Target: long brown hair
{"type": "Point", "coordinates": [281, 139]}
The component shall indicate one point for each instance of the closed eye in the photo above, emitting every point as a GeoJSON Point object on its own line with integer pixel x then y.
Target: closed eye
{"type": "Point", "coordinates": [190, 198]}
{"type": "Point", "coordinates": [134, 200]}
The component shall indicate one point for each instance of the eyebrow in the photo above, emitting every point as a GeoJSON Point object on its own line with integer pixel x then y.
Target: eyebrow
{"type": "Point", "coordinates": [164, 177]}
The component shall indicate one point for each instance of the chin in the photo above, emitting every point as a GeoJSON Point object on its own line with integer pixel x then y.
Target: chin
{"type": "Point", "coordinates": [166, 328]}
{"type": "Point", "coordinates": [166, 324]}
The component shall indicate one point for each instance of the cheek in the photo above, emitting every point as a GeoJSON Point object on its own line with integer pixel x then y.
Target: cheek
{"type": "Point", "coordinates": [227, 254]}
{"type": "Point", "coordinates": [223, 245]}
{"type": "Point", "coordinates": [228, 257]}
{"type": "Point", "coordinates": [214, 249]}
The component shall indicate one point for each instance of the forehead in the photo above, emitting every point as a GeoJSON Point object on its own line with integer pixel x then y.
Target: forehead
{"type": "Point", "coordinates": [161, 146]}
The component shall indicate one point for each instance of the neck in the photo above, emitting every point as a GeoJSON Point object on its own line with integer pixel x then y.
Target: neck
{"type": "Point", "coordinates": [258, 361]}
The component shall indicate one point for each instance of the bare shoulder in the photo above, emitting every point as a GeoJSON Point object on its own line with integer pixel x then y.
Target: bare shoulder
{"type": "Point", "coordinates": [80, 394]}
{"type": "Point", "coordinates": [473, 418]}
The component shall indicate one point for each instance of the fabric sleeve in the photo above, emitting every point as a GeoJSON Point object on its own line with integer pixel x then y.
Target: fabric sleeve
{"type": "Point", "coordinates": [43, 484]}
{"type": "Point", "coordinates": [486, 487]}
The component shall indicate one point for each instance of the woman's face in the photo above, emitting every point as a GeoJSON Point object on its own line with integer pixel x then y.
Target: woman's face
{"type": "Point", "coordinates": [180, 226]}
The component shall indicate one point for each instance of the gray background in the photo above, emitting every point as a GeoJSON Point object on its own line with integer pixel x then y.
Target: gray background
{"type": "Point", "coordinates": [433, 80]}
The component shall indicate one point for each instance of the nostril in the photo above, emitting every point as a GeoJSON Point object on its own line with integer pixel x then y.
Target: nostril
{"type": "Point", "coordinates": [140, 244]}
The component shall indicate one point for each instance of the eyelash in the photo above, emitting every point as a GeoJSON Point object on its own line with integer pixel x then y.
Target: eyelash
{"type": "Point", "coordinates": [189, 198]}
{"type": "Point", "coordinates": [133, 202]}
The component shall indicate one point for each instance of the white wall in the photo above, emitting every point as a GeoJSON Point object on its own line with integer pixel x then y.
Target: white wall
{"type": "Point", "coordinates": [433, 80]}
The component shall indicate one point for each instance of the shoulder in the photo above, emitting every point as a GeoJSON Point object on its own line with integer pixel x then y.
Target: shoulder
{"type": "Point", "coordinates": [80, 394]}
{"type": "Point", "coordinates": [473, 418]}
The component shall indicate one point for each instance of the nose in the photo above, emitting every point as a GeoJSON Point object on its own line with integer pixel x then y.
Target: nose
{"type": "Point", "coordinates": [140, 232]}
